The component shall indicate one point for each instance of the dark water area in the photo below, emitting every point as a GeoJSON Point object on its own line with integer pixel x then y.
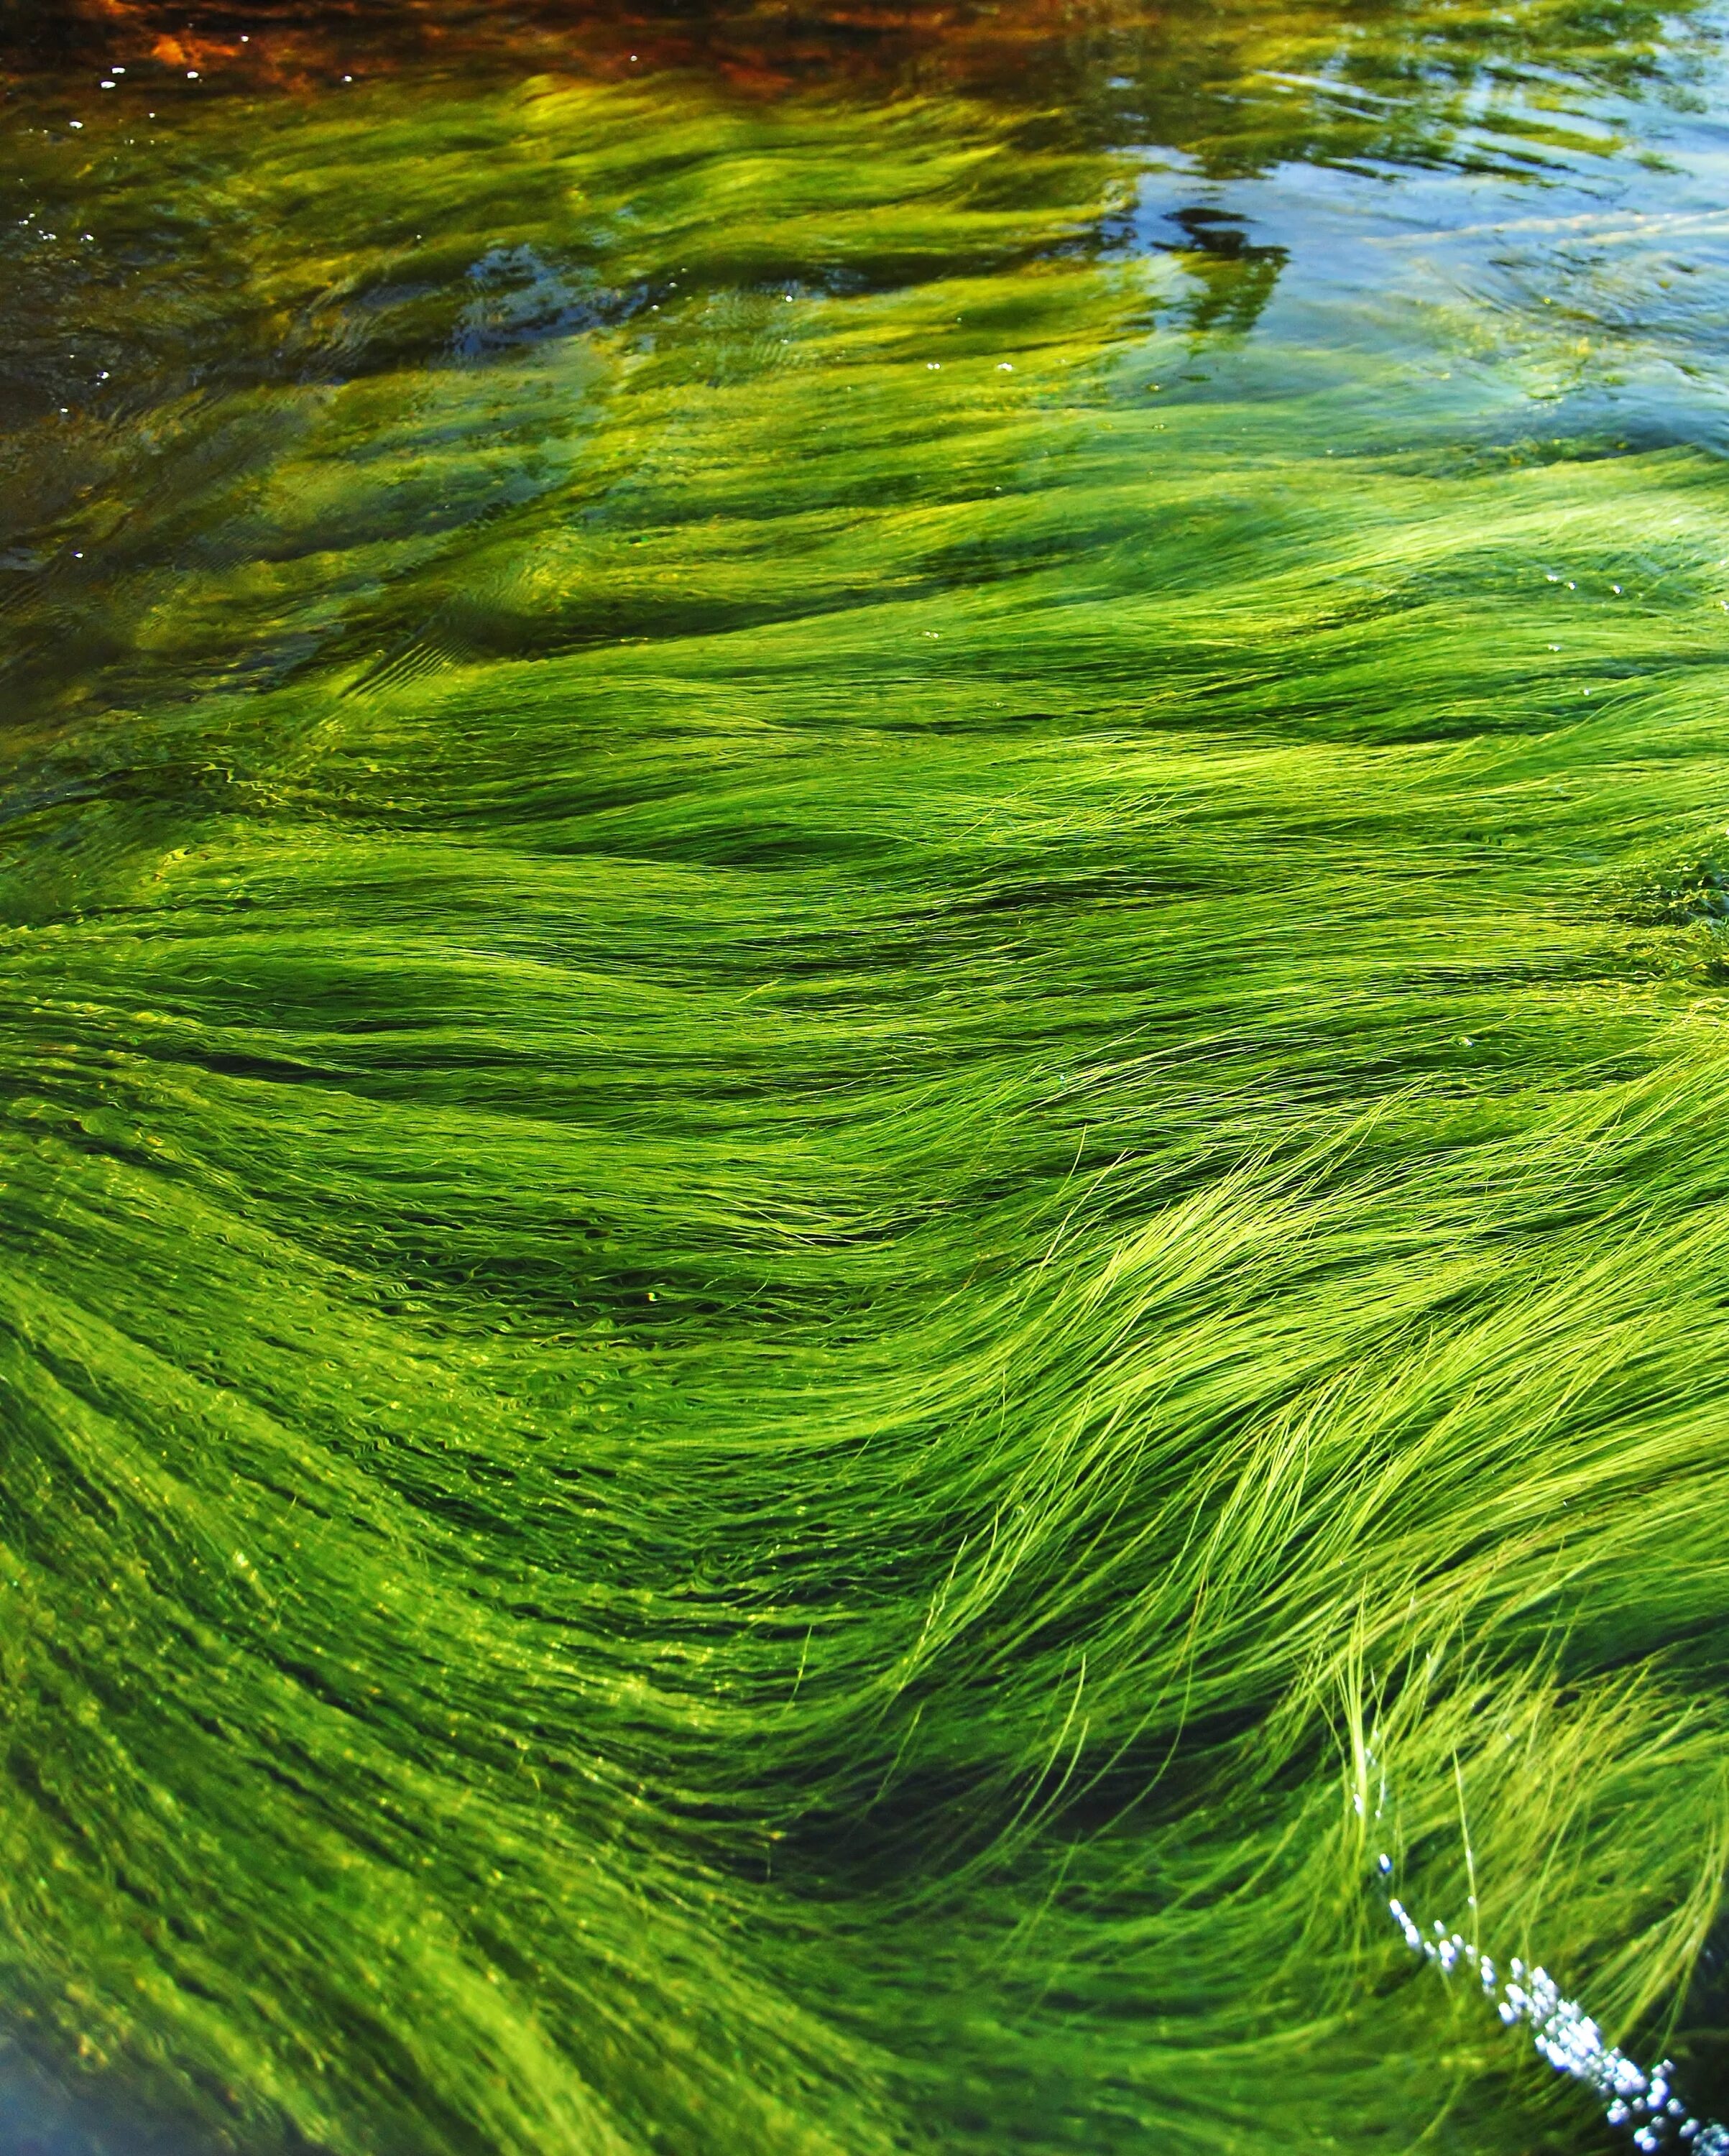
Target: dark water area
{"type": "Point", "coordinates": [863, 877]}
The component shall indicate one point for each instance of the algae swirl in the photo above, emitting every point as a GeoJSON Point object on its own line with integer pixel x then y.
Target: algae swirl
{"type": "Point", "coordinates": [864, 1158]}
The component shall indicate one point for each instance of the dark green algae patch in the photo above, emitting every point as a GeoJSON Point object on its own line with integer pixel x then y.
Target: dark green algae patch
{"type": "Point", "coordinates": [864, 1157]}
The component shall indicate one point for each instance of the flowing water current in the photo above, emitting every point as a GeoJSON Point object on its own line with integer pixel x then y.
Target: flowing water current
{"type": "Point", "coordinates": [864, 1163]}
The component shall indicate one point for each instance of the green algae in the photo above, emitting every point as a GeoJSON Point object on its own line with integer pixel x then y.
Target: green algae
{"type": "Point", "coordinates": [864, 1153]}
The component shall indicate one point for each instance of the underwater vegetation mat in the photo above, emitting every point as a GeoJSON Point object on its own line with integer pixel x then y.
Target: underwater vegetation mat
{"type": "Point", "coordinates": [865, 1160]}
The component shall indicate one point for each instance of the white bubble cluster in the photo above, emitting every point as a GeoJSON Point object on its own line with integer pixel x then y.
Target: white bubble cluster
{"type": "Point", "coordinates": [1571, 2041]}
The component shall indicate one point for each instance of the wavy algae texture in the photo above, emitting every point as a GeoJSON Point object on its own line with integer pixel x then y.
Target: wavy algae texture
{"type": "Point", "coordinates": [865, 1157]}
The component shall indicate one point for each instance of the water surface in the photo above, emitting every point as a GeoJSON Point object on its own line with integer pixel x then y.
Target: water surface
{"type": "Point", "coordinates": [863, 882]}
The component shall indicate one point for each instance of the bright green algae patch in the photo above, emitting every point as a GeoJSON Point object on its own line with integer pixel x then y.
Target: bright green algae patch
{"type": "Point", "coordinates": [863, 1130]}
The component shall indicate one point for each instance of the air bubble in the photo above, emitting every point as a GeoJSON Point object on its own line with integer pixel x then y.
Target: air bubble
{"type": "Point", "coordinates": [1573, 2043]}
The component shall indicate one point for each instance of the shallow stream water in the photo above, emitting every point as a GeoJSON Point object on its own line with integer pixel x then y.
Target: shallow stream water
{"type": "Point", "coordinates": [693, 703]}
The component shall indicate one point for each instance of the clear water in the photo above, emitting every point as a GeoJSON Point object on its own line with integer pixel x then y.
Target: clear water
{"type": "Point", "coordinates": [520, 525]}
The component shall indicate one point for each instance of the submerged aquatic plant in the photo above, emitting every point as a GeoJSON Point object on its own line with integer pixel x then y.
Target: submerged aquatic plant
{"type": "Point", "coordinates": [847, 1071]}
{"type": "Point", "coordinates": [1571, 2042]}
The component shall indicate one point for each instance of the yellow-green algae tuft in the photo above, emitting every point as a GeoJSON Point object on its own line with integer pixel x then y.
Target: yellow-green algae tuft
{"type": "Point", "coordinates": [865, 1157]}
